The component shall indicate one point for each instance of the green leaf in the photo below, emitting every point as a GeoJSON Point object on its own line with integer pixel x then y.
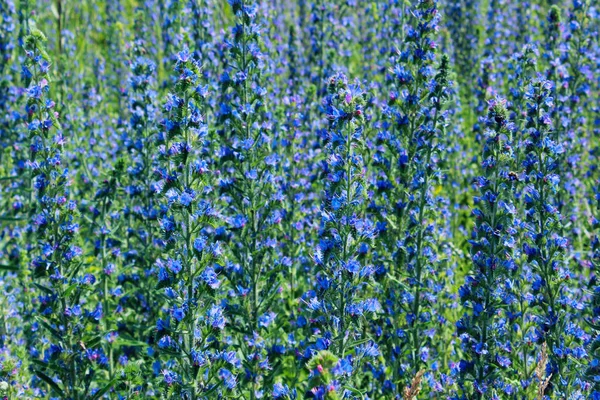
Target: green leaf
{"type": "Point", "coordinates": [94, 342]}
{"type": "Point", "coordinates": [11, 219]}
{"type": "Point", "coordinates": [123, 341]}
{"type": "Point", "coordinates": [50, 382]}
{"type": "Point", "coordinates": [53, 331]}
{"type": "Point", "coordinates": [5, 267]}
{"type": "Point", "coordinates": [215, 387]}
{"type": "Point", "coordinates": [105, 389]}
{"type": "Point", "coordinates": [44, 289]}
{"type": "Point", "coordinates": [55, 368]}
{"type": "Point", "coordinates": [68, 291]}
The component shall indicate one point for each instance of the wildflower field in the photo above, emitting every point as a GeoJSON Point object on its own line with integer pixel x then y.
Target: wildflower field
{"type": "Point", "coordinates": [308, 199]}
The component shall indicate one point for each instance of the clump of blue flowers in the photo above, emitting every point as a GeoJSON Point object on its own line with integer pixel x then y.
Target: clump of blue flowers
{"type": "Point", "coordinates": [299, 199]}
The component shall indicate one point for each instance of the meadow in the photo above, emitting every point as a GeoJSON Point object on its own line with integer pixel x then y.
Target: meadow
{"type": "Point", "coordinates": [310, 199]}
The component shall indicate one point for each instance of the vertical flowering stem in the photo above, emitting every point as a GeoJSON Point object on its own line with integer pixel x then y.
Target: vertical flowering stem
{"type": "Point", "coordinates": [186, 275]}
{"type": "Point", "coordinates": [135, 235]}
{"type": "Point", "coordinates": [140, 205]}
{"type": "Point", "coordinates": [7, 27]}
{"type": "Point", "coordinates": [524, 64]}
{"type": "Point", "coordinates": [464, 39]}
{"type": "Point", "coordinates": [321, 54]}
{"type": "Point", "coordinates": [340, 303]}
{"type": "Point", "coordinates": [23, 10]}
{"type": "Point", "coordinates": [553, 31]}
{"type": "Point", "coordinates": [202, 28]}
{"type": "Point", "coordinates": [492, 248]}
{"type": "Point", "coordinates": [544, 247]}
{"type": "Point", "coordinates": [571, 98]}
{"type": "Point", "coordinates": [104, 200]}
{"type": "Point", "coordinates": [169, 29]}
{"type": "Point", "coordinates": [593, 369]}
{"type": "Point", "coordinates": [248, 157]}
{"type": "Point", "coordinates": [427, 142]}
{"type": "Point", "coordinates": [412, 149]}
{"type": "Point", "coordinates": [523, 67]}
{"type": "Point", "coordinates": [113, 11]}
{"type": "Point", "coordinates": [56, 269]}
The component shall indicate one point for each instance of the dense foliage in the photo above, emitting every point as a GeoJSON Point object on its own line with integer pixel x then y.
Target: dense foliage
{"type": "Point", "coordinates": [333, 199]}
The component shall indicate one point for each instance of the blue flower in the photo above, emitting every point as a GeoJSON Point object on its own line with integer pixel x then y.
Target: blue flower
{"type": "Point", "coordinates": [228, 378]}
{"type": "Point", "coordinates": [215, 317]}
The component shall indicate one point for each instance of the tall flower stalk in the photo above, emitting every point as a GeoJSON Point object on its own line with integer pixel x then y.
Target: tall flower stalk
{"type": "Point", "coordinates": [248, 157]}
{"type": "Point", "coordinates": [483, 338]}
{"type": "Point", "coordinates": [131, 269]}
{"type": "Point", "coordinates": [13, 142]}
{"type": "Point", "coordinates": [7, 27]}
{"type": "Point", "coordinates": [141, 239]}
{"type": "Point", "coordinates": [409, 152]}
{"type": "Point", "coordinates": [592, 373]}
{"type": "Point", "coordinates": [71, 356]}
{"type": "Point", "coordinates": [171, 23]}
{"type": "Point", "coordinates": [341, 304]}
{"type": "Point", "coordinates": [186, 271]}
{"type": "Point", "coordinates": [544, 246]}
{"type": "Point", "coordinates": [574, 77]}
